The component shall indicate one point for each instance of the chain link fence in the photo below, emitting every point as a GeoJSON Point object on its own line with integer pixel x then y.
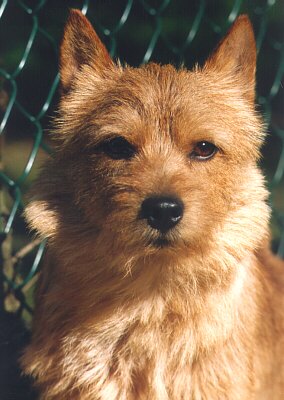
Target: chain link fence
{"type": "Point", "coordinates": [136, 31]}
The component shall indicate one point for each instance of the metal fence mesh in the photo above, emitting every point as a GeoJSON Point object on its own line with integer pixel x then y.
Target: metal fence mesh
{"type": "Point", "coordinates": [136, 31]}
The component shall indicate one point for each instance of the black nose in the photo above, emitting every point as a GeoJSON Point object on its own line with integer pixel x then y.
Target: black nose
{"type": "Point", "coordinates": [162, 213]}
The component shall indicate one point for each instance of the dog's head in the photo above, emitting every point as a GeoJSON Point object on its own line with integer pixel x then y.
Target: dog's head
{"type": "Point", "coordinates": [153, 159]}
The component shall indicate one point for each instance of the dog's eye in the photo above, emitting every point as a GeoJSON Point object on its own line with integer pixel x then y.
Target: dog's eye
{"type": "Point", "coordinates": [118, 148]}
{"type": "Point", "coordinates": [203, 151]}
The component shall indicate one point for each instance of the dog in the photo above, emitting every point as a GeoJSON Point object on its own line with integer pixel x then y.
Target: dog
{"type": "Point", "coordinates": [158, 282]}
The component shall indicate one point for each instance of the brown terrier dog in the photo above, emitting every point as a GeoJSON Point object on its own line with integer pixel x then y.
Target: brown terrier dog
{"type": "Point", "coordinates": [159, 283]}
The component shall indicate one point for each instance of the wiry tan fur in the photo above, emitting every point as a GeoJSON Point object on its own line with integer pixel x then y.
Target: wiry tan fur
{"type": "Point", "coordinates": [118, 318]}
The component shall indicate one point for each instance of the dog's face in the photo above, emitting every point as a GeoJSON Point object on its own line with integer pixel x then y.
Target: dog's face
{"type": "Point", "coordinates": [156, 160]}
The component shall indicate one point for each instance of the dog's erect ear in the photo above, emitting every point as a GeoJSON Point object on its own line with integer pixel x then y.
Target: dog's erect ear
{"type": "Point", "coordinates": [236, 54]}
{"type": "Point", "coordinates": [80, 46]}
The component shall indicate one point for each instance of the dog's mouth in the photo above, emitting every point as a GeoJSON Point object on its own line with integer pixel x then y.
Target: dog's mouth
{"type": "Point", "coordinates": [164, 240]}
{"type": "Point", "coordinates": [160, 242]}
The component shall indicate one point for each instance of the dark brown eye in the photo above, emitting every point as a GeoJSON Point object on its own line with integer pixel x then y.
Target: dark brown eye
{"type": "Point", "coordinates": [203, 151]}
{"type": "Point", "coordinates": [117, 148]}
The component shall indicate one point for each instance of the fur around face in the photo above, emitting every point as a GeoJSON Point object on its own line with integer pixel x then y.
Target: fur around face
{"type": "Point", "coordinates": [118, 317]}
